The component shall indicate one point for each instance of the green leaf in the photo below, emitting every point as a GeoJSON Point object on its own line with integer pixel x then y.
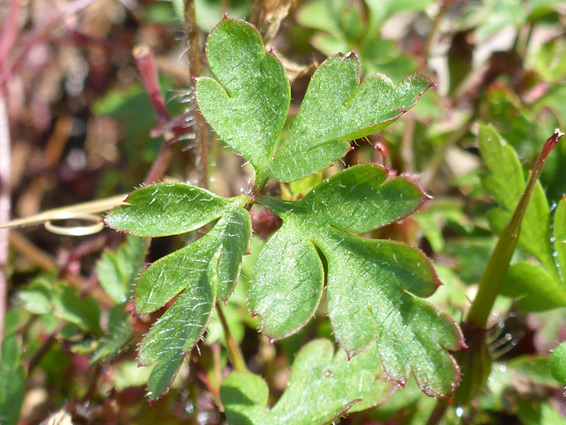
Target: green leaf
{"type": "Point", "coordinates": [12, 381]}
{"type": "Point", "coordinates": [196, 275]}
{"type": "Point", "coordinates": [558, 363]}
{"type": "Point", "coordinates": [373, 285]}
{"type": "Point", "coordinates": [177, 331]}
{"type": "Point", "coordinates": [43, 296]}
{"type": "Point", "coordinates": [288, 283]}
{"type": "Point", "coordinates": [216, 256]}
{"type": "Point", "coordinates": [248, 104]}
{"type": "Point", "coordinates": [560, 237]}
{"type": "Point", "coordinates": [163, 374]}
{"type": "Point", "coordinates": [117, 270]}
{"type": "Point", "coordinates": [315, 140]}
{"type": "Point", "coordinates": [323, 386]}
{"type": "Point", "coordinates": [118, 334]}
{"type": "Point", "coordinates": [535, 288]}
{"type": "Point", "coordinates": [505, 182]}
{"type": "Point", "coordinates": [166, 209]}
{"type": "Point", "coordinates": [534, 413]}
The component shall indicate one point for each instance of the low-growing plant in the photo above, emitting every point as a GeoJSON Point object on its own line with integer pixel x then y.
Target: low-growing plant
{"type": "Point", "coordinates": [325, 252]}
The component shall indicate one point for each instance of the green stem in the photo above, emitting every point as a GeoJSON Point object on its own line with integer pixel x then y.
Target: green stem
{"type": "Point", "coordinates": [234, 353]}
{"type": "Point", "coordinates": [498, 265]}
{"type": "Point", "coordinates": [475, 362]}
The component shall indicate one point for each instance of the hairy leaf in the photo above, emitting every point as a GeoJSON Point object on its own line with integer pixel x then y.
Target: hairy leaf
{"type": "Point", "coordinates": [336, 109]}
{"type": "Point", "coordinates": [194, 276]}
{"type": "Point", "coordinates": [166, 209]}
{"type": "Point", "coordinates": [373, 285]}
{"type": "Point", "coordinates": [323, 386]}
{"type": "Point", "coordinates": [248, 104]}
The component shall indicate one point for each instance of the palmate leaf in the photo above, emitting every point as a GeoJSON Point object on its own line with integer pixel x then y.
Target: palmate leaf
{"type": "Point", "coordinates": [373, 285]}
{"type": "Point", "coordinates": [197, 275]}
{"type": "Point", "coordinates": [323, 386]}
{"type": "Point", "coordinates": [248, 103]}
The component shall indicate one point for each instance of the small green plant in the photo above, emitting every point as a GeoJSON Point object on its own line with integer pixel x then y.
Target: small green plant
{"type": "Point", "coordinates": [373, 285]}
{"type": "Point", "coordinates": [296, 280]}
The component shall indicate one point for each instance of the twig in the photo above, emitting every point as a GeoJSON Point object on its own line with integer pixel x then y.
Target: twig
{"type": "Point", "coordinates": [193, 39]}
{"type": "Point", "coordinates": [42, 351]}
{"type": "Point", "coordinates": [234, 353]}
{"type": "Point", "coordinates": [147, 69]}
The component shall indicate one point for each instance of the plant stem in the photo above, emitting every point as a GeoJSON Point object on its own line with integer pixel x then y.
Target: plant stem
{"type": "Point", "coordinates": [192, 35]}
{"type": "Point", "coordinates": [234, 353]}
{"type": "Point", "coordinates": [147, 69]}
{"type": "Point", "coordinates": [45, 347]}
{"type": "Point", "coordinates": [475, 363]}
{"type": "Point", "coordinates": [498, 265]}
{"type": "Point", "coordinates": [193, 39]}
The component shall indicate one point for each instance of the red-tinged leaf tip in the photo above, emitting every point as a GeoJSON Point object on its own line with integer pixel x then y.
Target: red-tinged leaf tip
{"type": "Point", "coordinates": [254, 314]}
{"type": "Point", "coordinates": [193, 78]}
{"type": "Point", "coordinates": [271, 341]}
{"type": "Point", "coordinates": [332, 165]}
{"type": "Point", "coordinates": [433, 84]}
{"type": "Point", "coordinates": [449, 401]}
{"type": "Point", "coordinates": [352, 148]}
{"type": "Point", "coordinates": [226, 15]}
{"type": "Point", "coordinates": [350, 356]}
{"type": "Point", "coordinates": [271, 50]}
{"type": "Point", "coordinates": [428, 197]}
{"type": "Point", "coordinates": [225, 302]}
{"type": "Point", "coordinates": [553, 140]}
{"type": "Point", "coordinates": [150, 403]}
{"type": "Point", "coordinates": [402, 384]}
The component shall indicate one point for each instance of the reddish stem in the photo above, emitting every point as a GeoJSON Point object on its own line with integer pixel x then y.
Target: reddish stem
{"type": "Point", "coordinates": [10, 32]}
{"type": "Point", "coordinates": [147, 69]}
